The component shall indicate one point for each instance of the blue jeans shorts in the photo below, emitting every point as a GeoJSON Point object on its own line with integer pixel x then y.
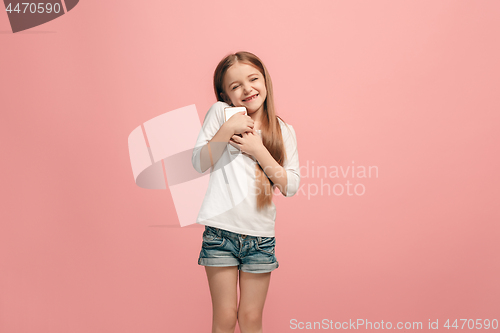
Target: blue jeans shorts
{"type": "Point", "coordinates": [222, 248]}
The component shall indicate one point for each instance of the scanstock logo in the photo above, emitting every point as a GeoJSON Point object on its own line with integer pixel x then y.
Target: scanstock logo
{"type": "Point", "coordinates": [26, 15]}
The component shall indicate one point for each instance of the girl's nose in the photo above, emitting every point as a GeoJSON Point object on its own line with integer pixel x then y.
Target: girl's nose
{"type": "Point", "coordinates": [247, 88]}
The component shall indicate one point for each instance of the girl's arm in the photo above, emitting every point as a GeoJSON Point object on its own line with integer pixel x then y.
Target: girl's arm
{"type": "Point", "coordinates": [272, 169]}
{"type": "Point", "coordinates": [286, 178]}
{"type": "Point", "coordinates": [215, 131]}
{"type": "Point", "coordinates": [217, 145]}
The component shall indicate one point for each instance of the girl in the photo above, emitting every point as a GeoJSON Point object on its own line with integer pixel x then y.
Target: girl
{"type": "Point", "coordinates": [237, 211]}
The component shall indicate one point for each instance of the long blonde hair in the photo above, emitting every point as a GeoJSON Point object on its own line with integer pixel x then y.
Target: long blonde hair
{"type": "Point", "coordinates": [270, 127]}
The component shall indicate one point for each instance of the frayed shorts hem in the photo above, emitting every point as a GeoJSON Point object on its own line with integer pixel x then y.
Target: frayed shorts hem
{"type": "Point", "coordinates": [247, 268]}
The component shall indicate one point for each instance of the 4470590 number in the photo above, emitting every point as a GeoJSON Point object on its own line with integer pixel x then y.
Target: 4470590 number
{"type": "Point", "coordinates": [33, 8]}
{"type": "Point", "coordinates": [471, 324]}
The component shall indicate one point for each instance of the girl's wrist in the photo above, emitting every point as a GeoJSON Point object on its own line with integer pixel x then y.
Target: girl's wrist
{"type": "Point", "coordinates": [260, 152]}
{"type": "Point", "coordinates": [228, 128]}
{"type": "Point", "coordinates": [228, 131]}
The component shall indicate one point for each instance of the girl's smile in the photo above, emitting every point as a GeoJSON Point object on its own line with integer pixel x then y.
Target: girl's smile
{"type": "Point", "coordinates": [251, 98]}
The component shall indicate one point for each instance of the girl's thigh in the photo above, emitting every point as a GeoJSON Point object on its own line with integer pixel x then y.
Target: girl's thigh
{"type": "Point", "coordinates": [223, 287]}
{"type": "Point", "coordinates": [253, 292]}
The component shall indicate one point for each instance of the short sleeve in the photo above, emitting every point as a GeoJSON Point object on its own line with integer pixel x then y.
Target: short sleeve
{"type": "Point", "coordinates": [211, 125]}
{"type": "Point", "coordinates": [291, 164]}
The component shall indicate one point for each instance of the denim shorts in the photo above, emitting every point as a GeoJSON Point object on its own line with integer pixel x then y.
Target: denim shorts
{"type": "Point", "coordinates": [222, 248]}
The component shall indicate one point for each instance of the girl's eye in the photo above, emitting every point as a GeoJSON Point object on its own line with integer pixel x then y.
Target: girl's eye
{"type": "Point", "coordinates": [254, 79]}
{"type": "Point", "coordinates": [235, 87]}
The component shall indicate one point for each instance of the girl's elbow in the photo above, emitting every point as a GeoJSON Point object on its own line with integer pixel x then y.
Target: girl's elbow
{"type": "Point", "coordinates": [293, 185]}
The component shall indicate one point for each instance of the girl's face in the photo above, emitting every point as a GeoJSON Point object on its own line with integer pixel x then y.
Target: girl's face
{"type": "Point", "coordinates": [245, 86]}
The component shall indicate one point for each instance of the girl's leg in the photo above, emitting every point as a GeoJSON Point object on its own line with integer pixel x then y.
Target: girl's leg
{"type": "Point", "coordinates": [253, 292]}
{"type": "Point", "coordinates": [223, 289]}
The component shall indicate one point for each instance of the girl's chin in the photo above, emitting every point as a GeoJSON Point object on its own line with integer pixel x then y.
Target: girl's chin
{"type": "Point", "coordinates": [251, 109]}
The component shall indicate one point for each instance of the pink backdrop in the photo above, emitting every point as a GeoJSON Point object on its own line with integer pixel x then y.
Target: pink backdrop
{"type": "Point", "coordinates": [410, 87]}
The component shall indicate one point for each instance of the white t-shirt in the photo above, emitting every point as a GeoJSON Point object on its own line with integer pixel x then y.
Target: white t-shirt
{"type": "Point", "coordinates": [230, 201]}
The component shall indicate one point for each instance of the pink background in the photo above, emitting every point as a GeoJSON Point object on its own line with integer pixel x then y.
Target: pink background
{"type": "Point", "coordinates": [408, 86]}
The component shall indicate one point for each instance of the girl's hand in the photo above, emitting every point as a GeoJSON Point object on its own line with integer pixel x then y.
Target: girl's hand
{"type": "Point", "coordinates": [249, 142]}
{"type": "Point", "coordinates": [240, 123]}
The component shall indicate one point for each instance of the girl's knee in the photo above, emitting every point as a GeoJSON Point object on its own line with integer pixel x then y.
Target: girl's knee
{"type": "Point", "coordinates": [225, 318]}
{"type": "Point", "coordinates": [250, 317]}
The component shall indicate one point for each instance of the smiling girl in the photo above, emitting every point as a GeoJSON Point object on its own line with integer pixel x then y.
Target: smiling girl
{"type": "Point", "coordinates": [238, 212]}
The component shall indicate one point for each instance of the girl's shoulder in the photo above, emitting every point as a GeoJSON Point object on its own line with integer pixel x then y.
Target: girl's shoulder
{"type": "Point", "coordinates": [218, 107]}
{"type": "Point", "coordinates": [282, 122]}
{"type": "Point", "coordinates": [220, 104]}
{"type": "Point", "coordinates": [216, 112]}
{"type": "Point", "coordinates": [286, 128]}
